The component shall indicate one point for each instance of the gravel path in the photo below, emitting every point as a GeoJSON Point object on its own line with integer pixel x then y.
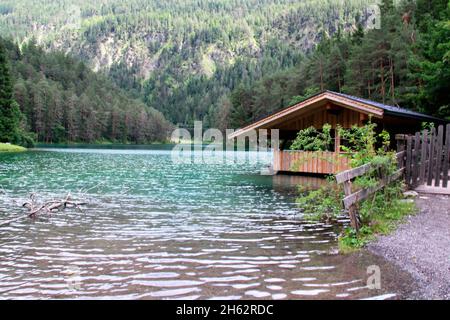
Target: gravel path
{"type": "Point", "coordinates": [421, 246]}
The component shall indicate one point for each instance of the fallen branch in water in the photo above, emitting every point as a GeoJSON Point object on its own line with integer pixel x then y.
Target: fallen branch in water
{"type": "Point", "coordinates": [52, 206]}
{"type": "Point", "coordinates": [12, 220]}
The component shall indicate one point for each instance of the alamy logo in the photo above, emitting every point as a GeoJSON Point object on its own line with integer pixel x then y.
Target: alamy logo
{"type": "Point", "coordinates": [73, 278]}
{"type": "Point", "coordinates": [373, 15]}
{"type": "Point", "coordinates": [213, 147]}
{"type": "Point", "coordinates": [374, 279]}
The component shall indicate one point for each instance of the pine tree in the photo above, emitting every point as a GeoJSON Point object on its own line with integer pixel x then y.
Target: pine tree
{"type": "Point", "coordinates": [431, 65]}
{"type": "Point", "coordinates": [9, 109]}
{"type": "Point", "coordinates": [386, 7]}
{"type": "Point", "coordinates": [358, 35]}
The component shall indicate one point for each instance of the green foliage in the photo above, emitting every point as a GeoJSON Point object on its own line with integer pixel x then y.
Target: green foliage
{"type": "Point", "coordinates": [361, 149]}
{"type": "Point", "coordinates": [309, 92]}
{"type": "Point", "coordinates": [311, 139]}
{"type": "Point", "coordinates": [360, 145]}
{"type": "Point", "coordinates": [350, 240]}
{"type": "Point", "coordinates": [181, 56]}
{"type": "Point", "coordinates": [323, 203]}
{"type": "Point", "coordinates": [379, 212]}
{"type": "Point", "coordinates": [427, 125]}
{"type": "Point", "coordinates": [26, 139]}
{"type": "Point", "coordinates": [206, 60]}
{"type": "Point", "coordinates": [5, 147]}
{"type": "Point", "coordinates": [383, 220]}
{"type": "Point", "coordinates": [431, 66]}
{"type": "Point", "coordinates": [61, 100]}
{"type": "Point", "coordinates": [9, 109]}
{"type": "Point", "coordinates": [405, 63]}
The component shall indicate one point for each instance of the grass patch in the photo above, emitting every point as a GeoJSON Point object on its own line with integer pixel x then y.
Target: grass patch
{"type": "Point", "coordinates": [381, 212]}
{"type": "Point", "coordinates": [6, 147]}
{"type": "Point", "coordinates": [323, 203]}
{"type": "Point", "coordinates": [381, 222]}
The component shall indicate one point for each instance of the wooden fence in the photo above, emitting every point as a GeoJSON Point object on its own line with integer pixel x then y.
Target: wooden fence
{"type": "Point", "coordinates": [353, 197]}
{"type": "Point", "coordinates": [317, 162]}
{"type": "Point", "coordinates": [427, 157]}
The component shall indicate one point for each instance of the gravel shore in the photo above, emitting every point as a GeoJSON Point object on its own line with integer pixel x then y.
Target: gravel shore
{"type": "Point", "coordinates": [421, 246]}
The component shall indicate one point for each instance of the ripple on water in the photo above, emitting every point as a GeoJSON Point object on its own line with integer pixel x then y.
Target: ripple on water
{"type": "Point", "coordinates": [156, 229]}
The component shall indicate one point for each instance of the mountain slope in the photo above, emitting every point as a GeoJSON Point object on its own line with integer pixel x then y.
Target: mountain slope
{"type": "Point", "coordinates": [183, 57]}
{"type": "Point", "coordinates": [405, 62]}
{"type": "Point", "coordinates": [63, 101]}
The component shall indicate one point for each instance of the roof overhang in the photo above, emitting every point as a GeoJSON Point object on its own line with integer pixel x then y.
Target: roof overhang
{"type": "Point", "coordinates": [311, 103]}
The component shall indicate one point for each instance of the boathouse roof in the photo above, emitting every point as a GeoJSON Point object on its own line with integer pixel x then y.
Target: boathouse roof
{"type": "Point", "coordinates": [369, 107]}
{"type": "Point", "coordinates": [393, 110]}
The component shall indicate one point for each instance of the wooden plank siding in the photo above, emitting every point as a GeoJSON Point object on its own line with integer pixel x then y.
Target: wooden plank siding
{"type": "Point", "coordinates": [335, 116]}
{"type": "Point", "coordinates": [327, 102]}
{"type": "Point", "coordinates": [310, 162]}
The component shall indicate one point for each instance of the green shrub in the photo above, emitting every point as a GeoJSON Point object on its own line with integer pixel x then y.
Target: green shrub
{"type": "Point", "coordinates": [381, 211]}
{"type": "Point", "coordinates": [323, 203]}
{"type": "Point", "coordinates": [311, 139]}
{"type": "Point", "coordinates": [383, 220]}
{"type": "Point", "coordinates": [24, 139]}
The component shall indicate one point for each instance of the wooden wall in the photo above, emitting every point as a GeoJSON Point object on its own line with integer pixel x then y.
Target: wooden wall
{"type": "Point", "coordinates": [310, 162]}
{"type": "Point", "coordinates": [334, 115]}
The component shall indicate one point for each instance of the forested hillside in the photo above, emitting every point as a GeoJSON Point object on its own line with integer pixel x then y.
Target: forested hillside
{"type": "Point", "coordinates": [406, 62]}
{"type": "Point", "coordinates": [184, 57]}
{"type": "Point", "coordinates": [60, 100]}
{"type": "Point", "coordinates": [224, 62]}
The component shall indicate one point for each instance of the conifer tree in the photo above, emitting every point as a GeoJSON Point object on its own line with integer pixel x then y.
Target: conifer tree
{"type": "Point", "coordinates": [9, 110]}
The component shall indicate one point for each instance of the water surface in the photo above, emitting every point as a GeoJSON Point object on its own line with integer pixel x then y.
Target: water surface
{"type": "Point", "coordinates": [155, 229]}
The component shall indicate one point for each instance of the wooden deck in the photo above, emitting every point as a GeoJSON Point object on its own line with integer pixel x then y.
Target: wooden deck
{"type": "Point", "coordinates": [310, 162]}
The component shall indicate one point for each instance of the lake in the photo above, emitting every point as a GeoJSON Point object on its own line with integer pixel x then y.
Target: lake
{"type": "Point", "coordinates": [156, 229]}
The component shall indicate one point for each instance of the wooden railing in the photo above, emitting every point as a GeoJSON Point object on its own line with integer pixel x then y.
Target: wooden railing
{"type": "Point", "coordinates": [353, 197]}
{"type": "Point", "coordinates": [319, 162]}
{"type": "Point", "coordinates": [427, 157]}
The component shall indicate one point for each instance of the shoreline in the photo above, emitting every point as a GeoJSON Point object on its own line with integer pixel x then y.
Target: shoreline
{"type": "Point", "coordinates": [420, 246]}
{"type": "Point", "coordinates": [104, 144]}
{"type": "Point", "coordinates": [10, 148]}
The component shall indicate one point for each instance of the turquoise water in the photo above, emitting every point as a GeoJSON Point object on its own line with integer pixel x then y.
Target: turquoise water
{"type": "Point", "coordinates": [155, 229]}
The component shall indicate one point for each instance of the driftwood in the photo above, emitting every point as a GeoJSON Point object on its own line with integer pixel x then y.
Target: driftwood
{"type": "Point", "coordinates": [52, 206]}
{"type": "Point", "coordinates": [3, 223]}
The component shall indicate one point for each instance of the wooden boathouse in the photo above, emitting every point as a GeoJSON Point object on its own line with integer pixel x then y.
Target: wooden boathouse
{"type": "Point", "coordinates": [336, 109]}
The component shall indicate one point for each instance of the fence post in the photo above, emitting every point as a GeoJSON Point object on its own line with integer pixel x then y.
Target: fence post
{"type": "Point", "coordinates": [423, 156]}
{"type": "Point", "coordinates": [408, 159]}
{"type": "Point", "coordinates": [431, 162]}
{"type": "Point", "coordinates": [446, 156]}
{"type": "Point", "coordinates": [401, 142]}
{"type": "Point", "coordinates": [416, 156]}
{"type": "Point", "coordinates": [437, 177]}
{"type": "Point", "coordinates": [352, 211]}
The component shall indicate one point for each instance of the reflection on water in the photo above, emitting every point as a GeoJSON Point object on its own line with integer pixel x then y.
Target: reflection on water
{"type": "Point", "coordinates": [155, 229]}
{"type": "Point", "coordinates": [283, 182]}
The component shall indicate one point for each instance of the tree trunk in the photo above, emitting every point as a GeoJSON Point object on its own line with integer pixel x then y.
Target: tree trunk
{"type": "Point", "coordinates": [383, 84]}
{"type": "Point", "coordinates": [391, 62]}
